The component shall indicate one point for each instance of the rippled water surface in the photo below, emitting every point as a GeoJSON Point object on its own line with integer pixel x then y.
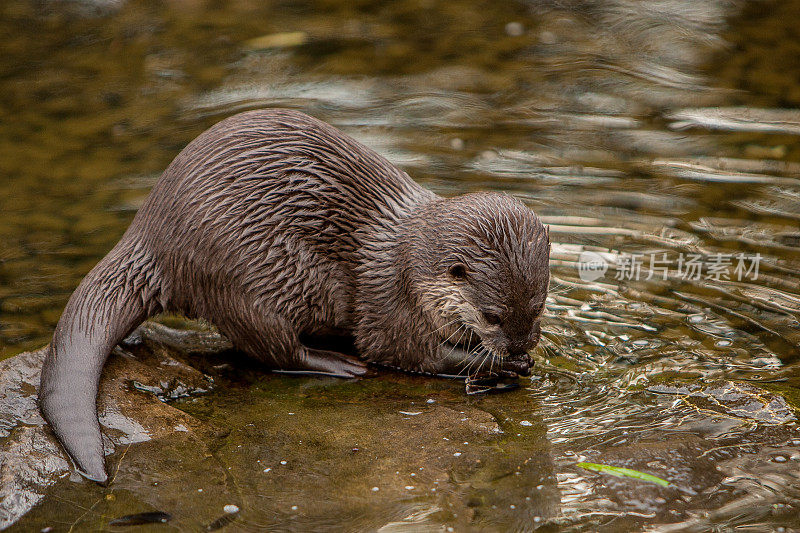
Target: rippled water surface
{"type": "Point", "coordinates": [662, 129]}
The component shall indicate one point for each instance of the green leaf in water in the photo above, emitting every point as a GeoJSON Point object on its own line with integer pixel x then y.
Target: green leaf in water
{"type": "Point", "coordinates": [623, 472]}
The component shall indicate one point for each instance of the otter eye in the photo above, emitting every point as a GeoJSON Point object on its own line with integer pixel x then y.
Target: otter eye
{"type": "Point", "coordinates": [491, 318]}
{"type": "Point", "coordinates": [458, 271]}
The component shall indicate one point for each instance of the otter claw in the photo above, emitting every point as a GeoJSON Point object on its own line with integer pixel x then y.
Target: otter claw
{"type": "Point", "coordinates": [491, 384]}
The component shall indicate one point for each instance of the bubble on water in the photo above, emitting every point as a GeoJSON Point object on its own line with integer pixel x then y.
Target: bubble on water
{"type": "Point", "coordinates": [514, 29]}
{"type": "Point", "coordinates": [457, 454]}
{"type": "Point", "coordinates": [696, 319]}
{"type": "Point", "coordinates": [548, 37]}
{"type": "Point", "coordinates": [375, 489]}
{"type": "Point", "coordinates": [723, 343]}
{"type": "Point", "coordinates": [230, 508]}
{"type": "Point", "coordinates": [525, 423]}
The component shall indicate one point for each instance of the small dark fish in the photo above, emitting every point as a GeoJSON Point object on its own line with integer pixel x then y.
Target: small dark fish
{"type": "Point", "coordinates": [140, 519]}
{"type": "Point", "coordinates": [222, 521]}
{"type": "Point", "coordinates": [490, 384]}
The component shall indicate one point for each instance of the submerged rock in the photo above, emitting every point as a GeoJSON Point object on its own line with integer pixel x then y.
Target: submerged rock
{"type": "Point", "coordinates": [734, 400]}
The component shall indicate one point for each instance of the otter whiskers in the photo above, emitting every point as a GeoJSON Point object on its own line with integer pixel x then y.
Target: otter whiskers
{"type": "Point", "coordinates": [445, 325]}
{"type": "Point", "coordinates": [472, 357]}
{"type": "Point", "coordinates": [441, 344]}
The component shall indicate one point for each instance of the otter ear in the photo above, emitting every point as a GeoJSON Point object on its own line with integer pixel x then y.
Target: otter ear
{"type": "Point", "coordinates": [458, 271]}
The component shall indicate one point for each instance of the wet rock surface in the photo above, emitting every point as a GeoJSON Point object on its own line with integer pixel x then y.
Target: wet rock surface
{"type": "Point", "coordinates": [30, 458]}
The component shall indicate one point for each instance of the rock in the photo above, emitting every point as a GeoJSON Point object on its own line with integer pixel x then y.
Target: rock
{"type": "Point", "coordinates": [309, 451]}
{"type": "Point", "coordinates": [31, 460]}
{"type": "Point", "coordinates": [324, 446]}
{"type": "Point", "coordinates": [734, 400]}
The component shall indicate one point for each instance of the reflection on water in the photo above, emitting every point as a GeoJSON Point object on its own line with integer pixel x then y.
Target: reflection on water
{"type": "Point", "coordinates": [631, 127]}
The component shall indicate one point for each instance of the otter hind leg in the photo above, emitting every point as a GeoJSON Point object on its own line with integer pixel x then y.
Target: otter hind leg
{"type": "Point", "coordinates": [274, 341]}
{"type": "Point", "coordinates": [332, 363]}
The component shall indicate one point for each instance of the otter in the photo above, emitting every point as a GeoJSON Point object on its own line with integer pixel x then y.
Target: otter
{"type": "Point", "coordinates": [276, 227]}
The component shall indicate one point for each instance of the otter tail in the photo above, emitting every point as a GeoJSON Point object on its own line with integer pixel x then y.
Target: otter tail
{"type": "Point", "coordinates": [115, 297]}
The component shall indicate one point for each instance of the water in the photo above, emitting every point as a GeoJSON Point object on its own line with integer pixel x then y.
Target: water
{"type": "Point", "coordinates": [655, 127]}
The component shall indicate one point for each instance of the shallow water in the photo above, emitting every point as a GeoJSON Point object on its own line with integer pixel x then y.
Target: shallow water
{"type": "Point", "coordinates": [656, 127]}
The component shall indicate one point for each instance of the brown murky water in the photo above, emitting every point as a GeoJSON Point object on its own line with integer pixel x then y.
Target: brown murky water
{"type": "Point", "coordinates": [653, 136]}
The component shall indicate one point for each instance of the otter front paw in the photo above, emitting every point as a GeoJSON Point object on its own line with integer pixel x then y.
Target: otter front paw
{"type": "Point", "coordinates": [520, 366]}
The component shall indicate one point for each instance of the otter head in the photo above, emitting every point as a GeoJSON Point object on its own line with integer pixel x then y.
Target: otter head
{"type": "Point", "coordinates": [482, 271]}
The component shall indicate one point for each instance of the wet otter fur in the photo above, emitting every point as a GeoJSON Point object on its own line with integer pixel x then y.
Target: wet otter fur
{"type": "Point", "coordinates": [275, 226]}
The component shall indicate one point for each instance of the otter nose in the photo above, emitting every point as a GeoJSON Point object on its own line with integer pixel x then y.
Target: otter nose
{"type": "Point", "coordinates": [520, 342]}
